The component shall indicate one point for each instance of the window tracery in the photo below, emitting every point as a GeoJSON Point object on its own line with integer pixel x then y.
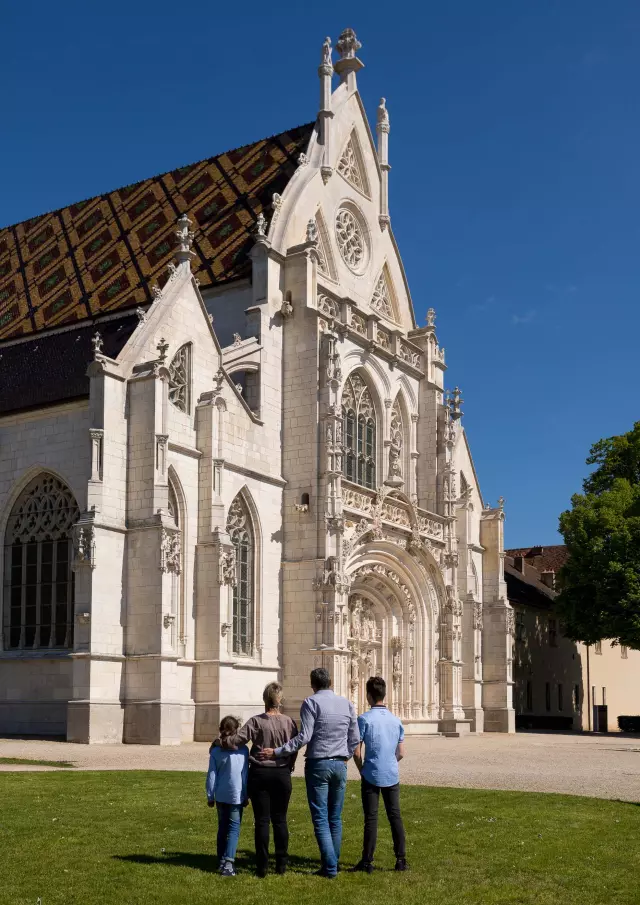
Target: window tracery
{"type": "Point", "coordinates": [39, 584]}
{"type": "Point", "coordinates": [397, 441]}
{"type": "Point", "coordinates": [240, 533]}
{"type": "Point", "coordinates": [381, 299]}
{"type": "Point", "coordinates": [349, 166]}
{"type": "Point", "coordinates": [350, 239]}
{"type": "Point", "coordinates": [359, 433]}
{"type": "Point", "coordinates": [180, 378]}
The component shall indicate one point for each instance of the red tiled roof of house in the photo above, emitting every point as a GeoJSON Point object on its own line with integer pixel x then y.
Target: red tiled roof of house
{"type": "Point", "coordinates": [544, 559]}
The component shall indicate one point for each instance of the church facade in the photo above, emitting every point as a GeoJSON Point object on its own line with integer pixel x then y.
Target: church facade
{"type": "Point", "coordinates": [231, 458]}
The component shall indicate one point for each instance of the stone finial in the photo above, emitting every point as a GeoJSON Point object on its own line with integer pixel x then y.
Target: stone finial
{"type": "Point", "coordinates": [312, 230]}
{"type": "Point", "coordinates": [156, 291]}
{"type": "Point", "coordinates": [383, 114]}
{"type": "Point", "coordinates": [326, 53]}
{"type": "Point", "coordinates": [276, 204]}
{"type": "Point", "coordinates": [501, 503]}
{"type": "Point", "coordinates": [431, 317]}
{"type": "Point", "coordinates": [455, 401]}
{"type": "Point", "coordinates": [218, 380]}
{"type": "Point", "coordinates": [303, 160]}
{"type": "Point", "coordinates": [185, 241]}
{"type": "Point", "coordinates": [162, 347]}
{"type": "Point", "coordinates": [261, 224]}
{"type": "Point", "coordinates": [97, 344]}
{"type": "Point", "coordinates": [141, 314]}
{"type": "Point", "coordinates": [347, 44]}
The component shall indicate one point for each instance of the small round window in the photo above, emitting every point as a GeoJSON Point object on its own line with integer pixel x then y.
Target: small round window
{"type": "Point", "coordinates": [351, 239]}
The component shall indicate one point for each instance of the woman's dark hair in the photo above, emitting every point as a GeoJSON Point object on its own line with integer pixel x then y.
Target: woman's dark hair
{"type": "Point", "coordinates": [377, 688]}
{"type": "Point", "coordinates": [320, 679]}
{"type": "Point", "coordinates": [272, 695]}
{"type": "Point", "coordinates": [229, 725]}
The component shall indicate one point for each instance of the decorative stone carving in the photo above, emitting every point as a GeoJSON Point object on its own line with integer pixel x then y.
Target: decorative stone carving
{"type": "Point", "coordinates": [237, 340]}
{"type": "Point", "coordinates": [510, 622]}
{"type": "Point", "coordinates": [332, 578]}
{"type": "Point", "coordinates": [227, 567]}
{"type": "Point", "coordinates": [97, 344]}
{"type": "Point", "coordinates": [349, 166]}
{"type": "Point", "coordinates": [303, 160]}
{"type": "Point", "coordinates": [431, 527]}
{"type": "Point", "coordinates": [348, 44]}
{"type": "Point", "coordinates": [477, 615]}
{"type": "Point", "coordinates": [312, 231]}
{"type": "Point", "coordinates": [84, 546]}
{"type": "Point", "coordinates": [381, 300]}
{"type": "Point", "coordinates": [397, 442]}
{"type": "Point", "coordinates": [168, 620]}
{"type": "Point", "coordinates": [170, 551]}
{"type": "Point", "coordinates": [141, 314]}
{"type": "Point", "coordinates": [363, 625]}
{"type": "Point", "coordinates": [382, 117]}
{"type": "Point", "coordinates": [350, 239]}
{"type": "Point", "coordinates": [455, 401]}
{"type": "Point", "coordinates": [276, 204]}
{"type": "Point", "coordinates": [286, 309]}
{"type": "Point", "coordinates": [83, 618]}
{"type": "Point", "coordinates": [359, 324]}
{"type": "Point", "coordinates": [328, 306]}
{"type": "Point", "coordinates": [180, 378]}
{"type": "Point", "coordinates": [47, 510]}
{"type": "Point", "coordinates": [431, 317]}
{"type": "Point", "coordinates": [326, 53]}
{"type": "Point", "coordinates": [163, 348]}
{"type": "Point", "coordinates": [225, 628]}
{"type": "Point", "coordinates": [372, 571]}
{"type": "Point", "coordinates": [383, 338]}
{"type": "Point", "coordinates": [261, 224]}
{"type": "Point", "coordinates": [408, 354]}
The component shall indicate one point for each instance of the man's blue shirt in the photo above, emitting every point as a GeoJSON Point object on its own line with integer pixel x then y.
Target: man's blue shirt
{"type": "Point", "coordinates": [328, 727]}
{"type": "Point", "coordinates": [381, 733]}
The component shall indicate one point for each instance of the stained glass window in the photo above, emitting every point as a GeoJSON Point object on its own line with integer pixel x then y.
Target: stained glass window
{"type": "Point", "coordinates": [38, 576]}
{"type": "Point", "coordinates": [241, 536]}
{"type": "Point", "coordinates": [359, 432]}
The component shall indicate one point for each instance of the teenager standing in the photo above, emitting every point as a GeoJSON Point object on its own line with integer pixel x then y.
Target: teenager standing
{"type": "Point", "coordinates": [382, 737]}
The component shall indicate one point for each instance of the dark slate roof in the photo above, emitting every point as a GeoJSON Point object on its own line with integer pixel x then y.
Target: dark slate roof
{"type": "Point", "coordinates": [104, 254]}
{"type": "Point", "coordinates": [52, 368]}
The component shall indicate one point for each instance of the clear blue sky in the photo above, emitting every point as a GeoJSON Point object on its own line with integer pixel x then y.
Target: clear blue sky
{"type": "Point", "coordinates": [515, 186]}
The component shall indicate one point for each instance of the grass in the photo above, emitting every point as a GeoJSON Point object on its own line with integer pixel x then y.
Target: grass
{"type": "Point", "coordinates": [19, 761]}
{"type": "Point", "coordinates": [147, 837]}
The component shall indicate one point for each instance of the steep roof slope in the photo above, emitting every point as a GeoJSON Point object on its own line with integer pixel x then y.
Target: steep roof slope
{"type": "Point", "coordinates": [103, 254]}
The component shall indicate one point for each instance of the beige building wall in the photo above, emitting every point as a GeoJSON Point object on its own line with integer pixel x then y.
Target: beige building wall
{"type": "Point", "coordinates": [611, 677]}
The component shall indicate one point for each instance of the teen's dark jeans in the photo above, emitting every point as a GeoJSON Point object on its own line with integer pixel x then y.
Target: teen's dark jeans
{"type": "Point", "coordinates": [370, 801]}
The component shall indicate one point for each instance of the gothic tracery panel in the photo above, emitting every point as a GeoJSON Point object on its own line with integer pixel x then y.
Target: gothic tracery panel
{"type": "Point", "coordinates": [180, 378]}
{"type": "Point", "coordinates": [397, 441]}
{"type": "Point", "coordinates": [382, 300]}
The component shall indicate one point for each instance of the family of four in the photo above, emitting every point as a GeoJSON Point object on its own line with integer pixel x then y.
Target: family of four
{"type": "Point", "coordinates": [333, 734]}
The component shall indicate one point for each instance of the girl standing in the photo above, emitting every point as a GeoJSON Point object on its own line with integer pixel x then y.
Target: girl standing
{"type": "Point", "coordinates": [227, 790]}
{"type": "Point", "coordinates": [269, 778]}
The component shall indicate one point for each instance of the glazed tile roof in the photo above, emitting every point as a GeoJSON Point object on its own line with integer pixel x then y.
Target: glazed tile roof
{"type": "Point", "coordinates": [103, 254]}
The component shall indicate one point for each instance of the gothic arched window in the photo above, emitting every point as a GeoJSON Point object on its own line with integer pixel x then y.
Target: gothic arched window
{"type": "Point", "coordinates": [241, 535]}
{"type": "Point", "coordinates": [359, 433]}
{"type": "Point", "coordinates": [38, 598]}
{"type": "Point", "coordinates": [180, 378]}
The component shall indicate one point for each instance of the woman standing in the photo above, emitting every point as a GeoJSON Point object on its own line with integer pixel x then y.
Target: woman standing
{"type": "Point", "coordinates": [269, 785]}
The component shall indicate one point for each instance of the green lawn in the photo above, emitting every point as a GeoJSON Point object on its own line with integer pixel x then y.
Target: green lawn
{"type": "Point", "coordinates": [18, 761]}
{"type": "Point", "coordinates": [130, 838]}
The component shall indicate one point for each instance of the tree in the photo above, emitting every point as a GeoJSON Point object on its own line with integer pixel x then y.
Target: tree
{"type": "Point", "coordinates": [600, 582]}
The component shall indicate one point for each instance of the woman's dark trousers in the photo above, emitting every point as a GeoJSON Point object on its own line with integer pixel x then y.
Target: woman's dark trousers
{"type": "Point", "coordinates": [270, 791]}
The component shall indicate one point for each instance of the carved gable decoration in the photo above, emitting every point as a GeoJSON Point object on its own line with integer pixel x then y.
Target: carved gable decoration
{"type": "Point", "coordinates": [382, 300]}
{"type": "Point", "coordinates": [351, 165]}
{"type": "Point", "coordinates": [325, 258]}
{"type": "Point", "coordinates": [180, 378]}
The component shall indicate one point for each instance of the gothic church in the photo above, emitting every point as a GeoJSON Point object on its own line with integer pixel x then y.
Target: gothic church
{"type": "Point", "coordinates": [227, 455]}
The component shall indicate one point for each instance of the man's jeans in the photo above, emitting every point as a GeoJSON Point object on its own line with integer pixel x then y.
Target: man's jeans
{"type": "Point", "coordinates": [326, 783]}
{"type": "Point", "coordinates": [229, 820]}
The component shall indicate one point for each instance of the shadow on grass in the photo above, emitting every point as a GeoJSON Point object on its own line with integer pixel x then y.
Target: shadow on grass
{"type": "Point", "coordinates": [245, 860]}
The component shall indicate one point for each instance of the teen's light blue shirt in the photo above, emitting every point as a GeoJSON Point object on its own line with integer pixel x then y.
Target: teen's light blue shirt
{"type": "Point", "coordinates": [227, 775]}
{"type": "Point", "coordinates": [381, 733]}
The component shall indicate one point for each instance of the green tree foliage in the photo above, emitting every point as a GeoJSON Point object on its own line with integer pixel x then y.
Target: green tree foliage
{"type": "Point", "coordinates": [600, 583]}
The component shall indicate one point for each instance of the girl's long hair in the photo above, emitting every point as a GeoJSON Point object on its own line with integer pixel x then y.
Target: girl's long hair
{"type": "Point", "coordinates": [229, 725]}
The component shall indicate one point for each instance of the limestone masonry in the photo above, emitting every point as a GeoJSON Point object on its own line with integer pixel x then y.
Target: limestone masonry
{"type": "Point", "coordinates": [246, 469]}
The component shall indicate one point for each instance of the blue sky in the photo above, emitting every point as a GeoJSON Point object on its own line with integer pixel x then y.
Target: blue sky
{"type": "Point", "coordinates": [514, 189]}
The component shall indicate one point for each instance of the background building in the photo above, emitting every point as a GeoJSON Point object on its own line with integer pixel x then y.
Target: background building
{"type": "Point", "coordinates": [561, 684]}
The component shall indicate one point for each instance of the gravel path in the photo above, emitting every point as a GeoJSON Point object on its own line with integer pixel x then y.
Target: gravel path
{"type": "Point", "coordinates": [592, 765]}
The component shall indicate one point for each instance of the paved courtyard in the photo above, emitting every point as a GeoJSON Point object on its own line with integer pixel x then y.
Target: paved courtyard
{"type": "Point", "coordinates": [599, 766]}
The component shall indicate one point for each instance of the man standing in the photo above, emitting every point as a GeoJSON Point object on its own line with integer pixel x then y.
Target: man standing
{"type": "Point", "coordinates": [329, 729]}
{"type": "Point", "coordinates": [382, 735]}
